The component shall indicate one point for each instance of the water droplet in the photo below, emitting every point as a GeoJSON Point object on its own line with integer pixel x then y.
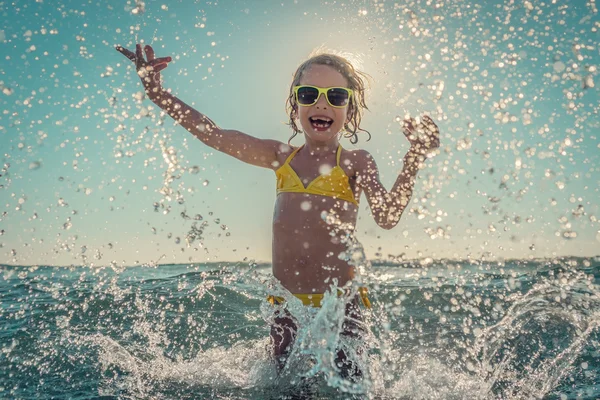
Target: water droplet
{"type": "Point", "coordinates": [325, 169]}
{"type": "Point", "coordinates": [464, 144]}
{"type": "Point", "coordinates": [305, 205]}
{"type": "Point", "coordinates": [205, 183]}
{"type": "Point", "coordinates": [584, 365]}
{"type": "Point", "coordinates": [559, 66]}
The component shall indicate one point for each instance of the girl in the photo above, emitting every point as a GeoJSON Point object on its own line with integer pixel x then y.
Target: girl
{"type": "Point", "coordinates": [319, 178]}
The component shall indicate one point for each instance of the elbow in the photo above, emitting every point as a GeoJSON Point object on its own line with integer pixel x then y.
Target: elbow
{"type": "Point", "coordinates": [388, 220]}
{"type": "Point", "coordinates": [388, 223]}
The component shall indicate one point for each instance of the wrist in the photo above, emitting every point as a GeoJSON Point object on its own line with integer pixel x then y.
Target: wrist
{"type": "Point", "coordinates": [414, 158]}
{"type": "Point", "coordinates": [415, 152]}
{"type": "Point", "coordinates": [157, 96]}
{"type": "Point", "coordinates": [417, 149]}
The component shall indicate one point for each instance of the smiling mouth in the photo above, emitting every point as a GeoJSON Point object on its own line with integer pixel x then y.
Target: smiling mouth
{"type": "Point", "coordinates": [320, 123]}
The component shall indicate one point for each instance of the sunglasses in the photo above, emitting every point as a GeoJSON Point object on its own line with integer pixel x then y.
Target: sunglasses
{"type": "Point", "coordinates": [337, 97]}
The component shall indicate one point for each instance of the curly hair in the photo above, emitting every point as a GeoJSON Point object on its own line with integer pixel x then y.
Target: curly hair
{"type": "Point", "coordinates": [356, 82]}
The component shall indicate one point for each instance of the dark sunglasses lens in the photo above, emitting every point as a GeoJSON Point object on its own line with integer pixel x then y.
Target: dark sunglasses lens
{"type": "Point", "coordinates": [307, 95]}
{"type": "Point", "coordinates": [338, 97]}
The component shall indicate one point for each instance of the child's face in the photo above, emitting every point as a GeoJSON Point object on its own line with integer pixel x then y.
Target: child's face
{"type": "Point", "coordinates": [322, 76]}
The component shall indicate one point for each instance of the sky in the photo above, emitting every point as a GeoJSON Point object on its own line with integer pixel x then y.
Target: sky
{"type": "Point", "coordinates": [93, 174]}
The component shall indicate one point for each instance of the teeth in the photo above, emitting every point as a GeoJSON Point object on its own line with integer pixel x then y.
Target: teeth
{"type": "Point", "coordinates": [322, 119]}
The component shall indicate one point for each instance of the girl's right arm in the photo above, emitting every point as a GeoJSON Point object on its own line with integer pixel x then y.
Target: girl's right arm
{"type": "Point", "coordinates": [249, 149]}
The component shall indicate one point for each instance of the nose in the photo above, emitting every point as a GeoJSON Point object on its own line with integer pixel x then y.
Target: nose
{"type": "Point", "coordinates": [321, 101]}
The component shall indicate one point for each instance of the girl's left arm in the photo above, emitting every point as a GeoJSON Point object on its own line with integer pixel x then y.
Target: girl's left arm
{"type": "Point", "coordinates": [387, 207]}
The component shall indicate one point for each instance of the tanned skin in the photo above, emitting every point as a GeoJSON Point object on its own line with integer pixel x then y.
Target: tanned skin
{"type": "Point", "coordinates": [306, 246]}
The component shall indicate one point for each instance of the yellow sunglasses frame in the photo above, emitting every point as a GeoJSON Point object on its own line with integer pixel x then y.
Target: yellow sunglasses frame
{"type": "Point", "coordinates": [322, 91]}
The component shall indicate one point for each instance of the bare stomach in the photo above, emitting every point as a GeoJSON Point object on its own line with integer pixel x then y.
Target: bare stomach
{"type": "Point", "coordinates": [309, 236]}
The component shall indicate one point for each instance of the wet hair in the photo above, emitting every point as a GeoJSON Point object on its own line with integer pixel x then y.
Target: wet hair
{"type": "Point", "coordinates": [356, 81]}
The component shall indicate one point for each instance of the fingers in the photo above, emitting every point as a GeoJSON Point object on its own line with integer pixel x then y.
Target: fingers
{"type": "Point", "coordinates": [139, 55]}
{"type": "Point", "coordinates": [422, 133]}
{"type": "Point", "coordinates": [149, 52]}
{"type": "Point", "coordinates": [158, 61]}
{"type": "Point", "coordinates": [428, 122]}
{"type": "Point", "coordinates": [409, 124]}
{"type": "Point", "coordinates": [150, 56]}
{"type": "Point", "coordinates": [427, 118]}
{"type": "Point", "coordinates": [126, 53]}
{"type": "Point", "coordinates": [159, 68]}
{"type": "Point", "coordinates": [432, 132]}
{"type": "Point", "coordinates": [409, 128]}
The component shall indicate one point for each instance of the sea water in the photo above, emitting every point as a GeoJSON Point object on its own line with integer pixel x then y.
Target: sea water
{"type": "Point", "coordinates": [518, 329]}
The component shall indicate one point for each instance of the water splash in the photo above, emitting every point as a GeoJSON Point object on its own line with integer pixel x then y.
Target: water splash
{"type": "Point", "coordinates": [534, 346]}
{"type": "Point", "coordinates": [438, 331]}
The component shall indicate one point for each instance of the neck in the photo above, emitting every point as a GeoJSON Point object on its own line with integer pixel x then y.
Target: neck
{"type": "Point", "coordinates": [320, 149]}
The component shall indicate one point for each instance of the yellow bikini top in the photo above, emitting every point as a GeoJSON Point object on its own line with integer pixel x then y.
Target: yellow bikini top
{"type": "Point", "coordinates": [334, 184]}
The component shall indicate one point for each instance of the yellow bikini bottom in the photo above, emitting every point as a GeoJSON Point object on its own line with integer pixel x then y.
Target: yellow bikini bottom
{"type": "Point", "coordinates": [315, 299]}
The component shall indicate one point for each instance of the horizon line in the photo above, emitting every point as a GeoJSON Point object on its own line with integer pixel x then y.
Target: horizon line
{"type": "Point", "coordinates": [420, 260]}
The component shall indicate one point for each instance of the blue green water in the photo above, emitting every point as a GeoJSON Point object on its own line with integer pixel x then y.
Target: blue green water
{"type": "Point", "coordinates": [91, 171]}
{"type": "Point", "coordinates": [440, 330]}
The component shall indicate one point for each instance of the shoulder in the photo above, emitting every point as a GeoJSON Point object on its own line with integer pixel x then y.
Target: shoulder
{"type": "Point", "coordinates": [358, 159]}
{"type": "Point", "coordinates": [357, 162]}
{"type": "Point", "coordinates": [283, 151]}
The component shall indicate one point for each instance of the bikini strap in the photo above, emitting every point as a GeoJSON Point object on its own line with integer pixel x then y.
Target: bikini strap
{"type": "Point", "coordinates": [339, 153]}
{"type": "Point", "coordinates": [287, 161]}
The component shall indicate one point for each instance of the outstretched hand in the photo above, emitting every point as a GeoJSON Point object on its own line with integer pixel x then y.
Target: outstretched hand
{"type": "Point", "coordinates": [423, 136]}
{"type": "Point", "coordinates": [148, 70]}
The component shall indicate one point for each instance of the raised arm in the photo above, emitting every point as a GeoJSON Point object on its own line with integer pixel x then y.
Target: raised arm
{"type": "Point", "coordinates": [249, 149]}
{"type": "Point", "coordinates": [387, 207]}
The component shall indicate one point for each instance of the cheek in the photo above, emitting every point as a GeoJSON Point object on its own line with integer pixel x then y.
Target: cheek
{"type": "Point", "coordinates": [349, 115]}
{"type": "Point", "coordinates": [345, 116]}
{"type": "Point", "coordinates": [301, 111]}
